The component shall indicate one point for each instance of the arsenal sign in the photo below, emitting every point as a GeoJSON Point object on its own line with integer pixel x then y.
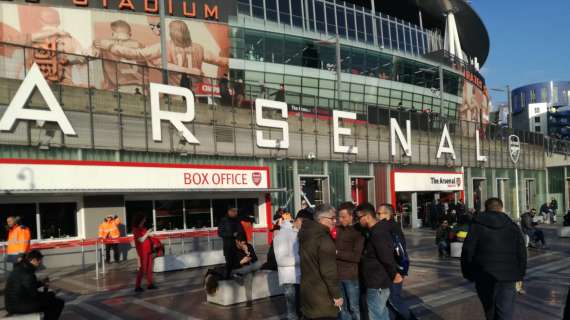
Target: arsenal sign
{"type": "Point", "coordinates": [514, 148]}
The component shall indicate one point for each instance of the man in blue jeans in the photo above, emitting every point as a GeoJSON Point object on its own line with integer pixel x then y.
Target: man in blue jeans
{"type": "Point", "coordinates": [378, 263]}
{"type": "Point", "coordinates": [349, 245]}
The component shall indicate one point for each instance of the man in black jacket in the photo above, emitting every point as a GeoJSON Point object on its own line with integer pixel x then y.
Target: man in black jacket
{"type": "Point", "coordinates": [22, 295]}
{"type": "Point", "coordinates": [320, 291]}
{"type": "Point", "coordinates": [378, 263]}
{"type": "Point", "coordinates": [494, 257]}
{"type": "Point", "coordinates": [349, 245]}
{"type": "Point", "coordinates": [229, 230]}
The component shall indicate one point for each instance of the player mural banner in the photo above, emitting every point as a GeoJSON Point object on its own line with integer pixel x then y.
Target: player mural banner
{"type": "Point", "coordinates": [122, 41]}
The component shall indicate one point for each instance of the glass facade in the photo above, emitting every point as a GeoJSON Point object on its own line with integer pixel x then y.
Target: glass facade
{"type": "Point", "coordinates": [349, 22]}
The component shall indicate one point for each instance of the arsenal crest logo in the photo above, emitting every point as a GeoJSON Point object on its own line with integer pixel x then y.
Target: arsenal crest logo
{"type": "Point", "coordinates": [458, 181]}
{"type": "Point", "coordinates": [514, 148]}
{"type": "Point", "coordinates": [256, 177]}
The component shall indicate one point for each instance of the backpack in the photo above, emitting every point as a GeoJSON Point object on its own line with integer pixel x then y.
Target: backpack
{"type": "Point", "coordinates": [400, 255]}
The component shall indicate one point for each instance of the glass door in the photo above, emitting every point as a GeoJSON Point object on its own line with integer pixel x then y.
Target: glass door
{"type": "Point", "coordinates": [314, 190]}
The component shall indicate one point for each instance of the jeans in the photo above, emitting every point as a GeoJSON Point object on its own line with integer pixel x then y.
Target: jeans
{"type": "Point", "coordinates": [497, 298]}
{"type": "Point", "coordinates": [350, 290]}
{"type": "Point", "coordinates": [397, 302]}
{"type": "Point", "coordinates": [377, 299]}
{"type": "Point", "coordinates": [443, 247]}
{"type": "Point", "coordinates": [291, 298]}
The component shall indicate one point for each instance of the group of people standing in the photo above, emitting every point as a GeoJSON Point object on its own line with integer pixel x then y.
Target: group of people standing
{"type": "Point", "coordinates": [347, 264]}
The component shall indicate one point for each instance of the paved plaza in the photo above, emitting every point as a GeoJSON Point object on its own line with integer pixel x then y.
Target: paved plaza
{"type": "Point", "coordinates": [435, 289]}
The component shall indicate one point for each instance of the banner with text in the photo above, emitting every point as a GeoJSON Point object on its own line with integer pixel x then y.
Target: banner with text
{"type": "Point", "coordinates": [428, 181]}
{"type": "Point", "coordinates": [36, 176]}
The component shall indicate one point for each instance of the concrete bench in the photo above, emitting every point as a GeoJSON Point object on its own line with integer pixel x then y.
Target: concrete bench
{"type": "Point", "coordinates": [29, 316]}
{"type": "Point", "coordinates": [188, 260]}
{"type": "Point", "coordinates": [564, 232]}
{"type": "Point", "coordinates": [258, 285]}
{"type": "Point", "coordinates": [456, 248]}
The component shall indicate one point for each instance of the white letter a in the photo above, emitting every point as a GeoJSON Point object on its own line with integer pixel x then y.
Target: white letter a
{"type": "Point", "coordinates": [35, 79]}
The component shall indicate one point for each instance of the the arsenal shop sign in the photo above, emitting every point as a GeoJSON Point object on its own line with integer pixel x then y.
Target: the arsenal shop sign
{"type": "Point", "coordinates": [427, 181]}
{"type": "Point", "coordinates": [38, 175]}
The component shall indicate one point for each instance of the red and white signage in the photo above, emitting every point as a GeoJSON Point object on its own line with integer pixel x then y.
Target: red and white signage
{"type": "Point", "coordinates": [37, 175]}
{"type": "Point", "coordinates": [427, 181]}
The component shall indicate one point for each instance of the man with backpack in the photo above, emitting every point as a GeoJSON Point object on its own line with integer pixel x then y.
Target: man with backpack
{"type": "Point", "coordinates": [396, 303]}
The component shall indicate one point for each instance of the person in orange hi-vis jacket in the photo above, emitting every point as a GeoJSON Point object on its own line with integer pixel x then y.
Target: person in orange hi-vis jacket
{"type": "Point", "coordinates": [109, 230]}
{"type": "Point", "coordinates": [18, 242]}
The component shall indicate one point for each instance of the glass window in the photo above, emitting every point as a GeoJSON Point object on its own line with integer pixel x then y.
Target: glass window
{"type": "Point", "coordinates": [351, 25]}
{"type": "Point", "coordinates": [414, 41]}
{"type": "Point", "coordinates": [401, 40]}
{"type": "Point", "coordinates": [134, 208]}
{"type": "Point", "coordinates": [320, 16]}
{"type": "Point", "coordinates": [555, 94]}
{"type": "Point", "coordinates": [271, 10]}
{"type": "Point", "coordinates": [532, 96]}
{"type": "Point", "coordinates": [543, 95]}
{"type": "Point", "coordinates": [273, 48]}
{"type": "Point", "coordinates": [169, 215]}
{"type": "Point", "coordinates": [369, 29]}
{"type": "Point", "coordinates": [243, 7]}
{"type": "Point", "coordinates": [220, 208]}
{"type": "Point", "coordinates": [257, 8]}
{"type": "Point", "coordinates": [421, 42]}
{"type": "Point", "coordinates": [198, 213]}
{"type": "Point", "coordinates": [331, 22]}
{"type": "Point", "coordinates": [293, 51]}
{"type": "Point", "coordinates": [341, 21]}
{"type": "Point", "coordinates": [310, 16]}
{"type": "Point", "coordinates": [407, 39]}
{"type": "Point", "coordinates": [58, 220]}
{"type": "Point", "coordinates": [297, 13]}
{"type": "Point", "coordinates": [254, 45]}
{"type": "Point", "coordinates": [386, 34]}
{"type": "Point", "coordinates": [360, 25]}
{"type": "Point", "coordinates": [393, 36]}
{"type": "Point", "coordinates": [358, 58]}
{"type": "Point", "coordinates": [27, 214]}
{"type": "Point", "coordinates": [284, 12]}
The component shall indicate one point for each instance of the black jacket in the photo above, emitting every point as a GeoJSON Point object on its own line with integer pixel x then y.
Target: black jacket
{"type": "Point", "coordinates": [378, 263]}
{"type": "Point", "coordinates": [229, 229]}
{"type": "Point", "coordinates": [494, 248]}
{"type": "Point", "coordinates": [240, 254]}
{"type": "Point", "coordinates": [319, 281]}
{"type": "Point", "coordinates": [21, 294]}
{"type": "Point", "coordinates": [397, 230]}
{"type": "Point", "coordinates": [349, 245]}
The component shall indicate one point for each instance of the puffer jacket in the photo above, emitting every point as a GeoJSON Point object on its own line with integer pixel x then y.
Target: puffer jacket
{"type": "Point", "coordinates": [286, 247]}
{"type": "Point", "coordinates": [319, 277]}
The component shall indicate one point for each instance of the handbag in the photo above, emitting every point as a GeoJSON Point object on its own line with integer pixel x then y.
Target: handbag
{"type": "Point", "coordinates": [157, 248]}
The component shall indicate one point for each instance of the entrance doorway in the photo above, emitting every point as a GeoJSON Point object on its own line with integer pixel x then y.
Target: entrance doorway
{"type": "Point", "coordinates": [314, 190]}
{"type": "Point", "coordinates": [529, 194]}
{"type": "Point", "coordinates": [360, 189]}
{"type": "Point", "coordinates": [418, 209]}
{"type": "Point", "coordinates": [503, 194]}
{"type": "Point", "coordinates": [479, 193]}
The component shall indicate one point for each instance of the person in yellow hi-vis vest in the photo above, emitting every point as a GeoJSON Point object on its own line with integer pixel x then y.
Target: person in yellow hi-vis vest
{"type": "Point", "coordinates": [18, 242]}
{"type": "Point", "coordinates": [110, 230]}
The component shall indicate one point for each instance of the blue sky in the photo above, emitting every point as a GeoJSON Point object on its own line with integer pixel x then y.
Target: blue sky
{"type": "Point", "coordinates": [530, 42]}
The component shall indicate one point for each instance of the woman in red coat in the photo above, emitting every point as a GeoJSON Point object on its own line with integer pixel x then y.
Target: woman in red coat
{"type": "Point", "coordinates": [143, 243]}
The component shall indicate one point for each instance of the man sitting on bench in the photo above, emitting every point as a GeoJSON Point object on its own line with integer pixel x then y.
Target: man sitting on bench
{"type": "Point", "coordinates": [242, 262]}
{"type": "Point", "coordinates": [22, 295]}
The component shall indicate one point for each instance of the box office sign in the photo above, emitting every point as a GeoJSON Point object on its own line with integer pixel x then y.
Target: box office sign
{"type": "Point", "coordinates": [427, 181]}
{"type": "Point", "coordinates": [37, 175]}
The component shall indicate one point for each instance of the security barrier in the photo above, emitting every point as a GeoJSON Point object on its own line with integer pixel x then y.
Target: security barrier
{"type": "Point", "coordinates": [91, 252]}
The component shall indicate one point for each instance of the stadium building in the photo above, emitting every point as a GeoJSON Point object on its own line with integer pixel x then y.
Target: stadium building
{"type": "Point", "coordinates": [262, 104]}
